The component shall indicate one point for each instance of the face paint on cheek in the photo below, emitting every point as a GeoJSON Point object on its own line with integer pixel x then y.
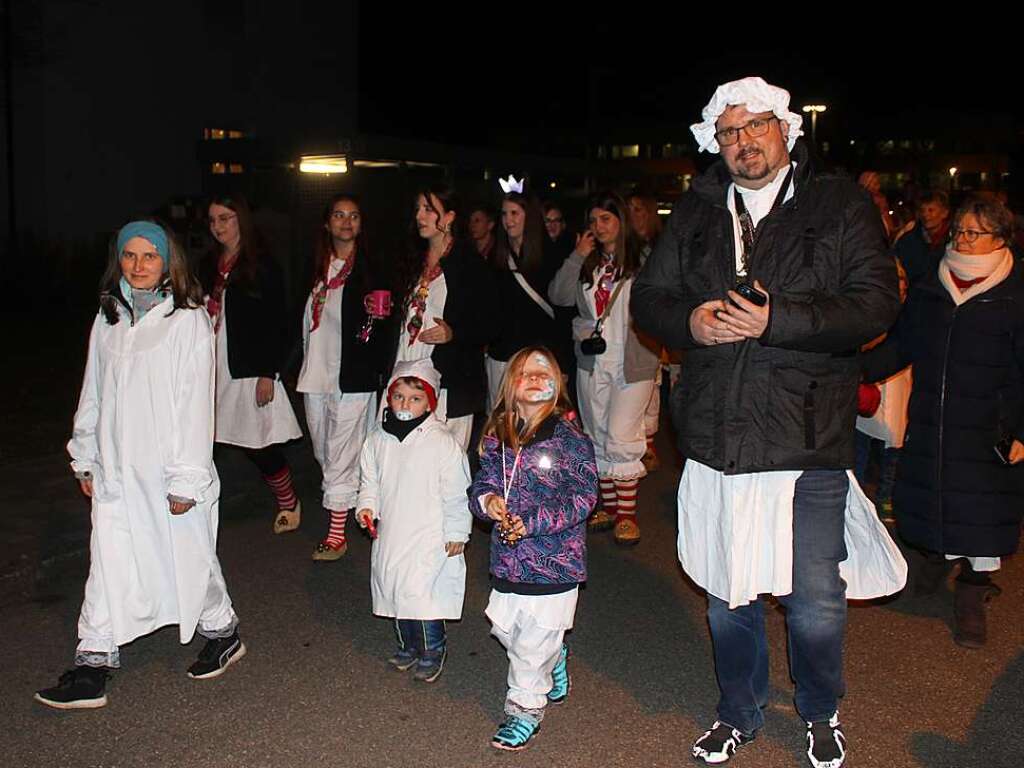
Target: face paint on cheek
{"type": "Point", "coordinates": [542, 395]}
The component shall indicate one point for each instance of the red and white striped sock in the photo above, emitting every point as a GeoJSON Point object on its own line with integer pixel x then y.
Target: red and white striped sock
{"type": "Point", "coordinates": [608, 497]}
{"type": "Point", "coordinates": [625, 490]}
{"type": "Point", "coordinates": [281, 486]}
{"type": "Point", "coordinates": [336, 533]}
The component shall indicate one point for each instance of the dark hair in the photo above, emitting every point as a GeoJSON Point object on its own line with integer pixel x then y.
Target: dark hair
{"type": "Point", "coordinates": [933, 196]}
{"type": "Point", "coordinates": [177, 278]}
{"type": "Point", "coordinates": [551, 205]}
{"type": "Point", "coordinates": [323, 250]}
{"type": "Point", "coordinates": [251, 249]}
{"type": "Point", "coordinates": [648, 201]}
{"type": "Point", "coordinates": [627, 248]}
{"type": "Point", "coordinates": [990, 213]}
{"type": "Point", "coordinates": [483, 208]}
{"type": "Point", "coordinates": [531, 252]}
{"type": "Point", "coordinates": [410, 262]}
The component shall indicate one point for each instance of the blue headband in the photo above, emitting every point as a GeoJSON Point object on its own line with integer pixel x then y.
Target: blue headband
{"type": "Point", "coordinates": [154, 233]}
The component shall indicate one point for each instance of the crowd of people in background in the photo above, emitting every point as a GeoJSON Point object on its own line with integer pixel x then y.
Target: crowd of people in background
{"type": "Point", "coordinates": [503, 339]}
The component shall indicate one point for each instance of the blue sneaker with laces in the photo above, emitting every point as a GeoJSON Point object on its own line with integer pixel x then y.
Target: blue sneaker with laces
{"type": "Point", "coordinates": [514, 734]}
{"type": "Point", "coordinates": [560, 678]}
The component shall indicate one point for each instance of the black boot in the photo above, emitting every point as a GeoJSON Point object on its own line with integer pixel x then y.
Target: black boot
{"type": "Point", "coordinates": [931, 573]}
{"type": "Point", "coordinates": [969, 626]}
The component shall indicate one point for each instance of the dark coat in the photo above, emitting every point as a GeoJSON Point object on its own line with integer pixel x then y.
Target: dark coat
{"type": "Point", "coordinates": [789, 399]}
{"type": "Point", "coordinates": [917, 255]}
{"type": "Point", "coordinates": [468, 309]}
{"type": "Point", "coordinates": [953, 495]}
{"type": "Point", "coordinates": [256, 318]}
{"type": "Point", "coordinates": [365, 366]}
{"type": "Point", "coordinates": [521, 321]}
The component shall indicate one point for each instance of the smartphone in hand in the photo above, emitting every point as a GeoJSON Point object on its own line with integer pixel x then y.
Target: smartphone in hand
{"type": "Point", "coordinates": [751, 294]}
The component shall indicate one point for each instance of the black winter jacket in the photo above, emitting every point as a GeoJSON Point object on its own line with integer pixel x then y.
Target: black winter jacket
{"type": "Point", "coordinates": [788, 399]}
{"type": "Point", "coordinates": [468, 309]}
{"type": "Point", "coordinates": [256, 319]}
{"type": "Point", "coordinates": [953, 495]}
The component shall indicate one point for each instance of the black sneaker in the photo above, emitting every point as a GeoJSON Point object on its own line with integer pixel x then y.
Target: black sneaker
{"type": "Point", "coordinates": [826, 744]}
{"type": "Point", "coordinates": [78, 688]}
{"type": "Point", "coordinates": [720, 743]}
{"type": "Point", "coordinates": [217, 656]}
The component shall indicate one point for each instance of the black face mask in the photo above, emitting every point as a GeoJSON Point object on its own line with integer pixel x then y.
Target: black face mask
{"type": "Point", "coordinates": [401, 429]}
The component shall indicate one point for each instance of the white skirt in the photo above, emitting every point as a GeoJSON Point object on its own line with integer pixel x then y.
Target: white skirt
{"type": "Point", "coordinates": [238, 420]}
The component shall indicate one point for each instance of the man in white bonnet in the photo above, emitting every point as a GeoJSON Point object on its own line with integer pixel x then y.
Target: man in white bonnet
{"type": "Point", "coordinates": [771, 275]}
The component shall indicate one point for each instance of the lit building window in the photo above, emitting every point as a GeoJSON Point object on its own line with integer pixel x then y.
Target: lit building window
{"type": "Point", "coordinates": [236, 168]}
{"type": "Point", "coordinates": [214, 133]}
{"type": "Point", "coordinates": [236, 135]}
{"type": "Point", "coordinates": [218, 168]}
{"type": "Point", "coordinates": [630, 150]}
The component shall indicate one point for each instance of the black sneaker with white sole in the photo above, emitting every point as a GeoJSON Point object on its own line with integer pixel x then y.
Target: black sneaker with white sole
{"type": "Point", "coordinates": [78, 688]}
{"type": "Point", "coordinates": [720, 743]}
{"type": "Point", "coordinates": [826, 744]}
{"type": "Point", "coordinates": [216, 656]}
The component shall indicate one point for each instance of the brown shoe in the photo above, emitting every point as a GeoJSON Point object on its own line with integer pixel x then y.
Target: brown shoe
{"type": "Point", "coordinates": [288, 519]}
{"type": "Point", "coordinates": [324, 552]}
{"type": "Point", "coordinates": [969, 625]}
{"type": "Point", "coordinates": [627, 532]}
{"type": "Point", "coordinates": [600, 521]}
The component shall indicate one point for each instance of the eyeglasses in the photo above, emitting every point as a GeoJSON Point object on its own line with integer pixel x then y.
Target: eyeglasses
{"type": "Point", "coordinates": [224, 218]}
{"type": "Point", "coordinates": [754, 128]}
{"type": "Point", "coordinates": [553, 220]}
{"type": "Point", "coordinates": [970, 235]}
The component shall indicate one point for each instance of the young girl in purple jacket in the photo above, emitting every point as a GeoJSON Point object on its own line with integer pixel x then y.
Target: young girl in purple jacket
{"type": "Point", "coordinates": [538, 482]}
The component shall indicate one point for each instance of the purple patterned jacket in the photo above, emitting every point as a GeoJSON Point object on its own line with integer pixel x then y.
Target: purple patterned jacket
{"type": "Point", "coordinates": [553, 491]}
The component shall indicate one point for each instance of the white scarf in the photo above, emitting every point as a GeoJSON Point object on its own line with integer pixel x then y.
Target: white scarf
{"type": "Point", "coordinates": [994, 267]}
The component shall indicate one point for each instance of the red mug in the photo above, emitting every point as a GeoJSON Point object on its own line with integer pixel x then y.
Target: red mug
{"type": "Point", "coordinates": [377, 303]}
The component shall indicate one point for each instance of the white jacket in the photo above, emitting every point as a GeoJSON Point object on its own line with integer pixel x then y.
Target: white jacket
{"type": "Point", "coordinates": [144, 429]}
{"type": "Point", "coordinates": [417, 490]}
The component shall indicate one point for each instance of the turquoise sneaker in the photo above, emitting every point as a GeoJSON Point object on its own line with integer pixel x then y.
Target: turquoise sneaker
{"type": "Point", "coordinates": [514, 734]}
{"type": "Point", "coordinates": [560, 678]}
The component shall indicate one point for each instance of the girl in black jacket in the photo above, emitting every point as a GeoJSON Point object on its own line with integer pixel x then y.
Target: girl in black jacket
{"type": "Point", "coordinates": [447, 313]}
{"type": "Point", "coordinates": [345, 359]}
{"type": "Point", "coordinates": [245, 298]}
{"type": "Point", "coordinates": [959, 492]}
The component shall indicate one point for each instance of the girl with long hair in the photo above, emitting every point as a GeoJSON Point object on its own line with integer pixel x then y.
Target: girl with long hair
{"type": "Point", "coordinates": [614, 384]}
{"type": "Point", "coordinates": [142, 453]}
{"type": "Point", "coordinates": [245, 299]}
{"type": "Point", "coordinates": [447, 291]}
{"type": "Point", "coordinates": [345, 350]}
{"type": "Point", "coordinates": [537, 482]}
{"type": "Point", "coordinates": [524, 266]}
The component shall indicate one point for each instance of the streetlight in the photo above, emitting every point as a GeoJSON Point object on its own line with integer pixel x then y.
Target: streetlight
{"type": "Point", "coordinates": [814, 109]}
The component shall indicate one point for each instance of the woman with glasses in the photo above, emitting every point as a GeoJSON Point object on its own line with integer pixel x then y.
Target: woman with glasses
{"type": "Point", "coordinates": [345, 343]}
{"type": "Point", "coordinates": [615, 371]}
{"type": "Point", "coordinates": [960, 487]}
{"type": "Point", "coordinates": [245, 299]}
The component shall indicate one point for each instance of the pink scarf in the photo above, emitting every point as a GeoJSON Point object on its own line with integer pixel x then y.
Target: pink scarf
{"type": "Point", "coordinates": [993, 267]}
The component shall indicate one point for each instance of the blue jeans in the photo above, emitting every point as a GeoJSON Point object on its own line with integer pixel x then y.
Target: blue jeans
{"type": "Point", "coordinates": [425, 639]}
{"type": "Point", "coordinates": [815, 616]}
{"type": "Point", "coordinates": [888, 460]}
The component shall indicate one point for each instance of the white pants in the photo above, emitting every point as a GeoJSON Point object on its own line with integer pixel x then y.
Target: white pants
{"type": "Point", "coordinates": [495, 371]}
{"type": "Point", "coordinates": [338, 425]}
{"type": "Point", "coordinates": [653, 408]}
{"type": "Point", "coordinates": [96, 646]}
{"type": "Point", "coordinates": [531, 627]}
{"type": "Point", "coordinates": [613, 415]}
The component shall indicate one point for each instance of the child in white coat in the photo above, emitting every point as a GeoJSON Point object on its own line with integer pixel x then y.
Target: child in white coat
{"type": "Point", "coordinates": [414, 480]}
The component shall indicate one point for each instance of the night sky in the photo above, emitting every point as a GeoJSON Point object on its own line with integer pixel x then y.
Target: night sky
{"type": "Point", "coordinates": [435, 76]}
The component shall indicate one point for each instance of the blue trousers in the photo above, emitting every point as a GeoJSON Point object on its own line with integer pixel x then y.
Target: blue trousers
{"type": "Point", "coordinates": [424, 639]}
{"type": "Point", "coordinates": [815, 616]}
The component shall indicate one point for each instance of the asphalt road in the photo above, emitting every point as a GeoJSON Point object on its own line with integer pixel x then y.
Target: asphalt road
{"type": "Point", "coordinates": [314, 688]}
